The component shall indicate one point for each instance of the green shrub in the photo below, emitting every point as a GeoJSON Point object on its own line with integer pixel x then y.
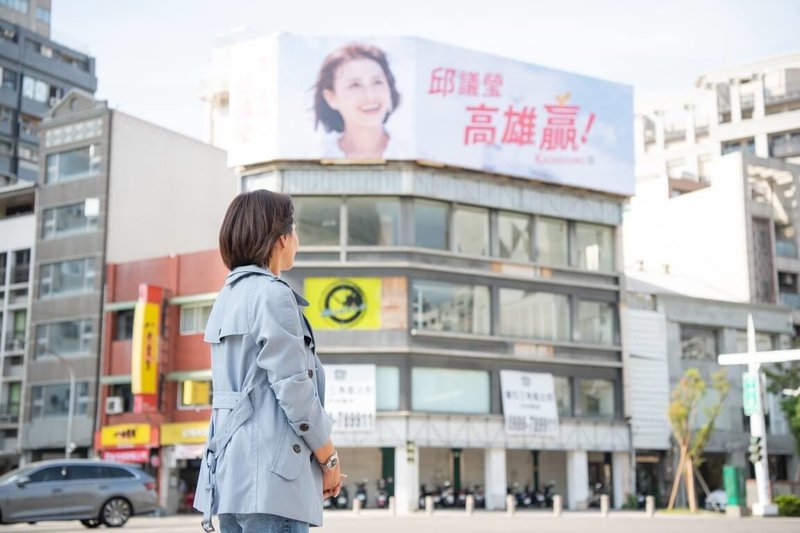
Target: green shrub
{"type": "Point", "coordinates": [788, 505]}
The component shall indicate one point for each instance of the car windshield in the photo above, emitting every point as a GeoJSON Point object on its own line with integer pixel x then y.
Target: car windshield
{"type": "Point", "coordinates": [13, 474]}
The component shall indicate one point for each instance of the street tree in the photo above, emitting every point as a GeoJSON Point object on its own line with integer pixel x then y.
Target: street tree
{"type": "Point", "coordinates": [687, 398]}
{"type": "Point", "coordinates": [784, 381]}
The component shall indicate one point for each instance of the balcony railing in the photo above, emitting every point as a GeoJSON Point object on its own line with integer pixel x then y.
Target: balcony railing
{"type": "Point", "coordinates": [786, 248]}
{"type": "Point", "coordinates": [786, 148]}
{"type": "Point", "coordinates": [790, 299]}
{"type": "Point", "coordinates": [674, 135]}
{"type": "Point", "coordinates": [779, 97]}
{"type": "Point", "coordinates": [15, 342]}
{"type": "Point", "coordinates": [21, 273]}
{"type": "Point", "coordinates": [9, 413]}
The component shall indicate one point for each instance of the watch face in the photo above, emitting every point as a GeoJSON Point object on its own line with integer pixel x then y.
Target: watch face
{"type": "Point", "coordinates": [333, 462]}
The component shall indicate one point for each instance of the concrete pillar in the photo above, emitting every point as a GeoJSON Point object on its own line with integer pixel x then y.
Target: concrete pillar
{"type": "Point", "coordinates": [658, 118]}
{"type": "Point", "coordinates": [758, 99]}
{"type": "Point", "coordinates": [621, 476]}
{"type": "Point", "coordinates": [761, 141]}
{"type": "Point", "coordinates": [736, 102]}
{"type": "Point", "coordinates": [495, 478]}
{"type": "Point", "coordinates": [577, 479]}
{"type": "Point", "coordinates": [406, 478]}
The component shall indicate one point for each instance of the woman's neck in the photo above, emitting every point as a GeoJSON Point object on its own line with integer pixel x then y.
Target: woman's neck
{"type": "Point", "coordinates": [274, 266]}
{"type": "Point", "coordinates": [363, 143]}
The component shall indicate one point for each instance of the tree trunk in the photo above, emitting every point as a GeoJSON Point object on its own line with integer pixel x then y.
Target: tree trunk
{"type": "Point", "coordinates": [678, 475]}
{"type": "Point", "coordinates": [690, 485]}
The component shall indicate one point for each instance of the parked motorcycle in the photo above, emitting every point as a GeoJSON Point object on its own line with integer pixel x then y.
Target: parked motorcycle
{"type": "Point", "coordinates": [361, 493]}
{"type": "Point", "coordinates": [382, 495]}
{"type": "Point", "coordinates": [479, 496]}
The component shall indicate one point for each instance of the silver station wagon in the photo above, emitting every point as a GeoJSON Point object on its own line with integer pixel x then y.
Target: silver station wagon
{"type": "Point", "coordinates": [94, 492]}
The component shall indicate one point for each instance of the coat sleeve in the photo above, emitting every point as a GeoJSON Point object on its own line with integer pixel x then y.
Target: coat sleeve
{"type": "Point", "coordinates": [282, 353]}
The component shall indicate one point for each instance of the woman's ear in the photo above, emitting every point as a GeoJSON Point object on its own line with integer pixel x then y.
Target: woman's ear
{"type": "Point", "coordinates": [330, 99]}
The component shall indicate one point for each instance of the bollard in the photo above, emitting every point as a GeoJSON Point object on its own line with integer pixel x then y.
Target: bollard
{"type": "Point", "coordinates": [392, 507]}
{"type": "Point", "coordinates": [470, 506]}
{"type": "Point", "coordinates": [604, 501]}
{"type": "Point", "coordinates": [356, 506]}
{"type": "Point", "coordinates": [557, 505]}
{"type": "Point", "coordinates": [429, 505]}
{"type": "Point", "coordinates": [650, 506]}
{"type": "Point", "coordinates": [511, 505]}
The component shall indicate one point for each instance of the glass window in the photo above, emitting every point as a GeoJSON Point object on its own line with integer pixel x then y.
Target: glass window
{"type": "Point", "coordinates": [596, 397]}
{"type": "Point", "coordinates": [450, 307]}
{"type": "Point", "coordinates": [430, 225]}
{"type": "Point", "coordinates": [513, 236]}
{"type": "Point", "coordinates": [52, 473]}
{"type": "Point", "coordinates": [373, 221]}
{"type": "Point", "coordinates": [22, 266]}
{"type": "Point", "coordinates": [563, 389]}
{"type": "Point", "coordinates": [387, 386]}
{"type": "Point", "coordinates": [764, 341]}
{"type": "Point", "coordinates": [596, 322]}
{"type": "Point", "coordinates": [471, 230]}
{"type": "Point", "coordinates": [74, 338]}
{"type": "Point", "coordinates": [123, 325]}
{"type": "Point", "coordinates": [124, 391]}
{"type": "Point", "coordinates": [112, 472]}
{"type": "Point", "coordinates": [552, 241]}
{"type": "Point", "coordinates": [72, 165]}
{"type": "Point", "coordinates": [444, 390]}
{"type": "Point", "coordinates": [16, 5]}
{"type": "Point", "coordinates": [43, 15]}
{"type": "Point", "coordinates": [66, 220]}
{"type": "Point", "coordinates": [194, 394]}
{"type": "Point", "coordinates": [317, 221]}
{"type": "Point", "coordinates": [79, 472]}
{"type": "Point", "coordinates": [538, 315]}
{"type": "Point", "coordinates": [9, 79]}
{"type": "Point", "coordinates": [698, 343]}
{"type": "Point", "coordinates": [53, 400]}
{"type": "Point", "coordinates": [67, 277]}
{"type": "Point", "coordinates": [194, 318]}
{"type": "Point", "coordinates": [595, 247]}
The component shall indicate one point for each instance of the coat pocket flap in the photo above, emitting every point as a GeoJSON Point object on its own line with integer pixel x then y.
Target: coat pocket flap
{"type": "Point", "coordinates": [291, 455]}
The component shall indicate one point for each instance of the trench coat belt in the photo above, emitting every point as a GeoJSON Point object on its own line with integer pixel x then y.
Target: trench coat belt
{"type": "Point", "coordinates": [241, 409]}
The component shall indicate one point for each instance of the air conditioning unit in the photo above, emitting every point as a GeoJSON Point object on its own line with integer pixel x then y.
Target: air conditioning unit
{"type": "Point", "coordinates": [114, 405]}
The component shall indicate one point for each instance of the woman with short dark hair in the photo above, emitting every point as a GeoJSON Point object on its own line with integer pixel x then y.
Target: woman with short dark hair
{"type": "Point", "coordinates": [269, 460]}
{"type": "Point", "coordinates": [355, 95]}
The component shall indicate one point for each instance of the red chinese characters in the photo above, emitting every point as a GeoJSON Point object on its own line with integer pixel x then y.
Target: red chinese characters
{"type": "Point", "coordinates": [446, 81]}
{"type": "Point", "coordinates": [480, 130]}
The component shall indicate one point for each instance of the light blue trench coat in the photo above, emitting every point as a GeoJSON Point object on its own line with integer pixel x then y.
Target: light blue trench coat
{"type": "Point", "coordinates": [267, 409]}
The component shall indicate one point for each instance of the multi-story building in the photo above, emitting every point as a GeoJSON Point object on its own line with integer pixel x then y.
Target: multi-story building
{"type": "Point", "coordinates": [17, 237]}
{"type": "Point", "coordinates": [711, 235]}
{"type": "Point", "coordinates": [36, 72]}
{"type": "Point", "coordinates": [113, 189]}
{"type": "Point", "coordinates": [458, 259]}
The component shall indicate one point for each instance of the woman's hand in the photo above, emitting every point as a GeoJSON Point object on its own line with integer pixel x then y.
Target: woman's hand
{"type": "Point", "coordinates": [332, 482]}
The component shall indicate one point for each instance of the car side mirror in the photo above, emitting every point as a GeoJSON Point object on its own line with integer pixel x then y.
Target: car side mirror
{"type": "Point", "coordinates": [24, 480]}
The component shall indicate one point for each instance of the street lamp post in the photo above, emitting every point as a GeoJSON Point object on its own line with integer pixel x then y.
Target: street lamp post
{"type": "Point", "coordinates": [71, 406]}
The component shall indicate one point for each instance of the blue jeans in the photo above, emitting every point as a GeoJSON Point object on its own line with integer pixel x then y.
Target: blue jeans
{"type": "Point", "coordinates": [259, 523]}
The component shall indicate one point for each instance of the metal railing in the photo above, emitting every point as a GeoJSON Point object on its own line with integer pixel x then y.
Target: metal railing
{"type": "Point", "coordinates": [786, 248]}
{"type": "Point", "coordinates": [789, 95]}
{"type": "Point", "coordinates": [15, 341]}
{"type": "Point", "coordinates": [790, 299]}
{"type": "Point", "coordinates": [9, 413]}
{"type": "Point", "coordinates": [785, 148]}
{"type": "Point", "coordinates": [21, 273]}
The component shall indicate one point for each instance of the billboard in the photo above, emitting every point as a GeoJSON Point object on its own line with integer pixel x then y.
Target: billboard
{"type": "Point", "coordinates": [529, 403]}
{"type": "Point", "coordinates": [344, 303]}
{"type": "Point", "coordinates": [400, 98]}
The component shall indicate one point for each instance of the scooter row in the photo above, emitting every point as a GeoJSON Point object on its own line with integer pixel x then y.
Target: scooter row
{"type": "Point", "coordinates": [527, 498]}
{"type": "Point", "coordinates": [342, 501]}
{"type": "Point", "coordinates": [445, 496]}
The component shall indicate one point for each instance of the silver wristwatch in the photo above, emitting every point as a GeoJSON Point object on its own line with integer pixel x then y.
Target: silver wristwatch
{"type": "Point", "coordinates": [331, 463]}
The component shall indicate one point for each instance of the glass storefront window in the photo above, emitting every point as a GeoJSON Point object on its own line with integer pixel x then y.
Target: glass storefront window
{"type": "Point", "coordinates": [450, 307]}
{"type": "Point", "coordinates": [317, 220]}
{"type": "Point", "coordinates": [552, 241]}
{"type": "Point", "coordinates": [595, 247]}
{"type": "Point", "coordinates": [373, 221]}
{"type": "Point", "coordinates": [430, 224]}
{"type": "Point", "coordinates": [596, 397]}
{"type": "Point", "coordinates": [513, 236]}
{"type": "Point", "coordinates": [563, 389]}
{"type": "Point", "coordinates": [387, 387]}
{"type": "Point", "coordinates": [596, 322]}
{"type": "Point", "coordinates": [444, 390]}
{"type": "Point", "coordinates": [538, 315]}
{"type": "Point", "coordinates": [471, 230]}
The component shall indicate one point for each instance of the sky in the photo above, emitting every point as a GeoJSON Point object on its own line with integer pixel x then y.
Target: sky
{"type": "Point", "coordinates": [152, 55]}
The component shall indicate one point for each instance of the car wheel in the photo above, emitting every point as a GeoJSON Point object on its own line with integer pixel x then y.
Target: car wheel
{"type": "Point", "coordinates": [116, 512]}
{"type": "Point", "coordinates": [91, 523]}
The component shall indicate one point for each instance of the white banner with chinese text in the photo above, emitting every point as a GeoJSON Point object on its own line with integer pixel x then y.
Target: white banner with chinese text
{"type": "Point", "coordinates": [350, 396]}
{"type": "Point", "coordinates": [529, 403]}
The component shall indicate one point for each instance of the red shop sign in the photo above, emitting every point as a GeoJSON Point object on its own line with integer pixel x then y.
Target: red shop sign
{"type": "Point", "coordinates": [131, 455]}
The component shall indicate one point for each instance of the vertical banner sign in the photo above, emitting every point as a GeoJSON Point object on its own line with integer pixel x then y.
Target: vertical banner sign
{"type": "Point", "coordinates": [144, 348]}
{"type": "Point", "coordinates": [750, 400]}
{"type": "Point", "coordinates": [350, 396]}
{"type": "Point", "coordinates": [529, 403]}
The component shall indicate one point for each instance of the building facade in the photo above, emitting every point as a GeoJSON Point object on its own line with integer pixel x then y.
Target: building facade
{"type": "Point", "coordinates": [100, 201]}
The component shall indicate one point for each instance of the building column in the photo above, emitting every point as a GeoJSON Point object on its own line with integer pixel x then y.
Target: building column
{"type": "Point", "coordinates": [762, 144]}
{"type": "Point", "coordinates": [736, 101]}
{"type": "Point", "coordinates": [658, 117]}
{"type": "Point", "coordinates": [758, 99]}
{"type": "Point", "coordinates": [495, 481]}
{"type": "Point", "coordinates": [622, 478]}
{"type": "Point", "coordinates": [406, 478]}
{"type": "Point", "coordinates": [577, 479]}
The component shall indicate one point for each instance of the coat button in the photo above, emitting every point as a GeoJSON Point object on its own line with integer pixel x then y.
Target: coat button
{"type": "Point", "coordinates": [303, 427]}
{"type": "Point", "coordinates": [296, 448]}
{"type": "Point", "coordinates": [310, 373]}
